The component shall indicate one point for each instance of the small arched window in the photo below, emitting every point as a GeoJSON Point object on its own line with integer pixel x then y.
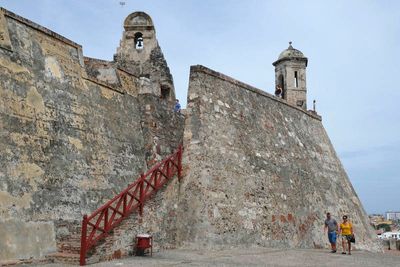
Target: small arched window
{"type": "Point", "coordinates": [139, 40]}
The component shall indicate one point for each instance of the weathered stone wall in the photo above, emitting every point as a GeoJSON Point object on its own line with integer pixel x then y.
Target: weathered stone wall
{"type": "Point", "coordinates": [259, 171]}
{"type": "Point", "coordinates": [70, 139]}
{"type": "Point", "coordinates": [162, 127]}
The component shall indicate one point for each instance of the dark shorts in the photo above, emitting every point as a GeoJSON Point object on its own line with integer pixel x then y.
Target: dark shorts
{"type": "Point", "coordinates": [347, 237]}
{"type": "Point", "coordinates": [332, 237]}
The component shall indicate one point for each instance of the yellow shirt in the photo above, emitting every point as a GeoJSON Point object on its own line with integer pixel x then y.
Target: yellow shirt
{"type": "Point", "coordinates": [346, 228]}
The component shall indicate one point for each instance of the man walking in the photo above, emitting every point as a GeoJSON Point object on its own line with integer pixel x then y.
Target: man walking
{"type": "Point", "coordinates": [331, 227]}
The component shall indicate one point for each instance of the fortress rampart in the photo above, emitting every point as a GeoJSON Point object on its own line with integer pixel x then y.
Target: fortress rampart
{"type": "Point", "coordinates": [259, 172]}
{"type": "Point", "coordinates": [259, 169]}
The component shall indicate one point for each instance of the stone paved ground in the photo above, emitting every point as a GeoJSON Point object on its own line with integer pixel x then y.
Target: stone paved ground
{"type": "Point", "coordinates": [256, 257]}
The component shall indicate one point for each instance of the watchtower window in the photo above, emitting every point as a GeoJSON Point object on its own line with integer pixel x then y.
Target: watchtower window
{"type": "Point", "coordinates": [281, 82]}
{"type": "Point", "coordinates": [139, 40]}
{"type": "Point", "coordinates": [165, 90]}
{"type": "Point", "coordinates": [296, 81]}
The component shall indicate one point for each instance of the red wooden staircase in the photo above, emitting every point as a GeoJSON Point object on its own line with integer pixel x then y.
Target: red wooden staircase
{"type": "Point", "coordinates": [98, 225]}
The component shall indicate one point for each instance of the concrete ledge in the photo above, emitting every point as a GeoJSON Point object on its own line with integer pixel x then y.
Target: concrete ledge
{"type": "Point", "coordinates": [106, 85]}
{"type": "Point", "coordinates": [96, 60]}
{"type": "Point", "coordinates": [127, 72]}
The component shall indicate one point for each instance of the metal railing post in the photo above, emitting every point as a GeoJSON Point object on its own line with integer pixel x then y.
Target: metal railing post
{"type": "Point", "coordinates": [156, 180]}
{"type": "Point", "coordinates": [141, 194]}
{"type": "Point", "coordinates": [168, 162]}
{"type": "Point", "coordinates": [106, 222]}
{"type": "Point", "coordinates": [82, 259]}
{"type": "Point", "coordinates": [180, 162]}
{"type": "Point", "coordinates": [124, 205]}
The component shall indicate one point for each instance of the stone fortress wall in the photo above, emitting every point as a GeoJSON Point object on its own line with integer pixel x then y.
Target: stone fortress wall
{"type": "Point", "coordinates": [74, 132]}
{"type": "Point", "coordinates": [259, 170]}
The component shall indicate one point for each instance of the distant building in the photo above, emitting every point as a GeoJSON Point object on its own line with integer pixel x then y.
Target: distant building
{"type": "Point", "coordinates": [390, 235]}
{"type": "Point", "coordinates": [393, 215]}
{"type": "Point", "coordinates": [376, 219]}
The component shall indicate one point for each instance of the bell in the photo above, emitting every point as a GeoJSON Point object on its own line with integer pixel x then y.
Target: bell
{"type": "Point", "coordinates": [139, 43]}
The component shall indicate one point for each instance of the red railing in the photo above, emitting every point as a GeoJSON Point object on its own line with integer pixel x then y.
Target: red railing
{"type": "Point", "coordinates": [97, 225]}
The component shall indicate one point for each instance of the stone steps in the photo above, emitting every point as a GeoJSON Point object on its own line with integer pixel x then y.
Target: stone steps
{"type": "Point", "coordinates": [69, 247]}
{"type": "Point", "coordinates": [66, 258]}
{"type": "Point", "coordinates": [68, 250]}
{"type": "Point", "coordinates": [71, 239]}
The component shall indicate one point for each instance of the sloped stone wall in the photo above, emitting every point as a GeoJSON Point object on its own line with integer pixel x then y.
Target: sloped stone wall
{"type": "Point", "coordinates": [258, 171]}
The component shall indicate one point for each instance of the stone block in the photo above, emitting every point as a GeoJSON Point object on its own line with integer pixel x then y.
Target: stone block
{"type": "Point", "coordinates": [21, 240]}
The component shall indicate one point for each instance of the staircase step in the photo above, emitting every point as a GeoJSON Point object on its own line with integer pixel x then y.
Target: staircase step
{"type": "Point", "coordinates": [72, 239]}
{"type": "Point", "coordinates": [73, 250]}
{"type": "Point", "coordinates": [62, 257]}
{"type": "Point", "coordinates": [69, 244]}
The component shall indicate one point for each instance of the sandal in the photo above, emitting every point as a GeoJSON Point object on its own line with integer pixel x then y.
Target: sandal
{"type": "Point", "coordinates": [344, 253]}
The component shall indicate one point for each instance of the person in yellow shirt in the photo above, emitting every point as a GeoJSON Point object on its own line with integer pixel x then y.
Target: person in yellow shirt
{"type": "Point", "coordinates": [346, 231]}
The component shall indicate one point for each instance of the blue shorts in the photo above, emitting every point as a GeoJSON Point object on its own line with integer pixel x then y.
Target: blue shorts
{"type": "Point", "coordinates": [332, 237]}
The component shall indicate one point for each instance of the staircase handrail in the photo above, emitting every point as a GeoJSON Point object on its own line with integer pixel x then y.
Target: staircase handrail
{"type": "Point", "coordinates": [133, 197]}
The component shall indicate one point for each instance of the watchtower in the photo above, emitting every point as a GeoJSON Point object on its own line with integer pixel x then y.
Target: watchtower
{"type": "Point", "coordinates": [290, 77]}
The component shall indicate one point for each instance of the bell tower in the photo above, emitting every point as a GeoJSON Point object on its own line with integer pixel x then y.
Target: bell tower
{"type": "Point", "coordinates": [139, 38]}
{"type": "Point", "coordinates": [290, 77]}
{"type": "Point", "coordinates": [140, 54]}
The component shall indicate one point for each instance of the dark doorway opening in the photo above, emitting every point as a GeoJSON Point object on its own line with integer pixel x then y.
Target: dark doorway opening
{"type": "Point", "coordinates": [165, 91]}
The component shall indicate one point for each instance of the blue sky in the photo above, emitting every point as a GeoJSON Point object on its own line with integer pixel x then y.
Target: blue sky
{"type": "Point", "coordinates": [352, 47]}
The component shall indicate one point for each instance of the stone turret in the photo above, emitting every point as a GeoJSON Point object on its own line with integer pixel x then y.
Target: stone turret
{"type": "Point", "coordinates": [290, 77]}
{"type": "Point", "coordinates": [140, 54]}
